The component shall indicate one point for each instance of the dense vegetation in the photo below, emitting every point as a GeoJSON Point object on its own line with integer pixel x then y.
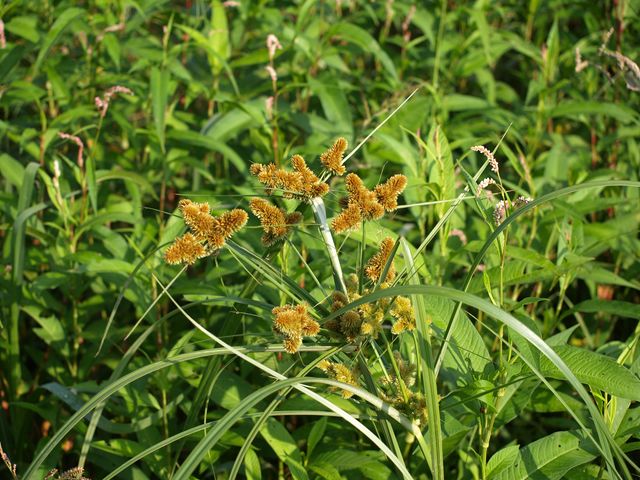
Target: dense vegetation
{"type": "Point", "coordinates": [462, 302]}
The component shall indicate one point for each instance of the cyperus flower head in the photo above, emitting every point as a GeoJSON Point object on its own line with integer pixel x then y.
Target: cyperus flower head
{"type": "Point", "coordinates": [332, 158]}
{"type": "Point", "coordinates": [275, 222]}
{"type": "Point", "coordinates": [376, 264]}
{"type": "Point", "coordinates": [293, 322]}
{"type": "Point", "coordinates": [208, 233]}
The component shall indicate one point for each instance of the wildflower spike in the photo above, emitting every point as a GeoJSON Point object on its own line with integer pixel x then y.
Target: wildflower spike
{"type": "Point", "coordinates": [332, 158]}
{"type": "Point", "coordinates": [376, 264]}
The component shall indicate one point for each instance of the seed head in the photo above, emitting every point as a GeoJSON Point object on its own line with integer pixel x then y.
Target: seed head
{"type": "Point", "coordinates": [402, 311]}
{"type": "Point", "coordinates": [376, 264]}
{"type": "Point", "coordinates": [489, 156]}
{"type": "Point", "coordinates": [341, 373]}
{"type": "Point", "coordinates": [387, 193]}
{"type": "Point", "coordinates": [332, 158]}
{"type": "Point", "coordinates": [186, 249]}
{"type": "Point", "coordinates": [364, 204]}
{"type": "Point", "coordinates": [293, 322]}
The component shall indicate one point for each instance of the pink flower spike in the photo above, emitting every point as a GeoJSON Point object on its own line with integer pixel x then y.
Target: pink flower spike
{"type": "Point", "coordinates": [230, 3]}
{"type": "Point", "coordinates": [268, 106]}
{"type": "Point", "coordinates": [78, 142]}
{"type": "Point", "coordinates": [273, 44]}
{"type": "Point", "coordinates": [489, 156]}
{"type": "Point", "coordinates": [103, 103]}
{"type": "Point", "coordinates": [272, 73]}
{"type": "Point", "coordinates": [3, 40]}
{"type": "Point", "coordinates": [460, 234]}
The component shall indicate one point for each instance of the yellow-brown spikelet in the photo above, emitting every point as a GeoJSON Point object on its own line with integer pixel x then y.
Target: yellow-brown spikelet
{"type": "Point", "coordinates": [311, 185]}
{"type": "Point", "coordinates": [350, 325]}
{"type": "Point", "coordinates": [302, 183]}
{"type": "Point", "coordinates": [186, 249]}
{"type": "Point", "coordinates": [275, 222]}
{"type": "Point", "coordinates": [293, 322]}
{"type": "Point", "coordinates": [370, 209]}
{"type": "Point", "coordinates": [348, 219]}
{"type": "Point", "coordinates": [341, 373]}
{"type": "Point", "coordinates": [273, 177]}
{"type": "Point", "coordinates": [225, 226]}
{"type": "Point", "coordinates": [387, 193]}
{"type": "Point", "coordinates": [271, 218]}
{"type": "Point", "coordinates": [290, 219]}
{"type": "Point", "coordinates": [362, 204]}
{"type": "Point", "coordinates": [338, 300]}
{"type": "Point", "coordinates": [292, 343]}
{"type": "Point", "coordinates": [332, 158]}
{"type": "Point", "coordinates": [376, 264]}
{"type": "Point", "coordinates": [402, 311]}
{"type": "Point", "coordinates": [197, 217]}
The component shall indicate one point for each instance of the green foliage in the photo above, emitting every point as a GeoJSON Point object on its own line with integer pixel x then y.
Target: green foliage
{"type": "Point", "coordinates": [524, 358]}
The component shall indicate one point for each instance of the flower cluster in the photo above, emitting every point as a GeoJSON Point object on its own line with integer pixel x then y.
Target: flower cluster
{"type": "Point", "coordinates": [366, 320]}
{"type": "Point", "coordinates": [102, 104]}
{"type": "Point", "coordinates": [500, 211]}
{"type": "Point", "coordinates": [332, 158]}
{"type": "Point", "coordinates": [293, 322]}
{"type": "Point", "coordinates": [276, 223]}
{"type": "Point", "coordinates": [395, 390]}
{"type": "Point", "coordinates": [347, 324]}
{"type": "Point", "coordinates": [402, 311]}
{"type": "Point", "coordinates": [364, 204]}
{"type": "Point", "coordinates": [301, 183]}
{"type": "Point", "coordinates": [376, 264]}
{"type": "Point", "coordinates": [208, 233]}
{"type": "Point", "coordinates": [341, 373]}
{"type": "Point", "coordinates": [493, 163]}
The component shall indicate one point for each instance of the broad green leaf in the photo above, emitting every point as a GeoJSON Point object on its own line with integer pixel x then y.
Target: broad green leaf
{"type": "Point", "coordinates": [611, 307]}
{"type": "Point", "coordinates": [577, 108]}
{"type": "Point", "coordinates": [596, 370]}
{"type": "Point", "coordinates": [25, 26]}
{"type": "Point", "coordinates": [10, 60]}
{"type": "Point", "coordinates": [315, 435]}
{"type": "Point", "coordinates": [442, 172]}
{"type": "Point", "coordinates": [284, 446]}
{"type": "Point", "coordinates": [501, 460]}
{"type": "Point", "coordinates": [218, 37]}
{"type": "Point", "coordinates": [326, 470]}
{"type": "Point", "coordinates": [58, 27]}
{"type": "Point", "coordinates": [366, 42]}
{"type": "Point", "coordinates": [549, 458]}
{"type": "Point", "coordinates": [252, 469]}
{"type": "Point", "coordinates": [208, 142]}
{"type": "Point", "coordinates": [11, 170]}
{"type": "Point", "coordinates": [334, 103]}
{"type": "Point", "coordinates": [50, 330]}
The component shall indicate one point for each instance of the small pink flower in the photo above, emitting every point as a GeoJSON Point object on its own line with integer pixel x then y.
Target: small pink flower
{"type": "Point", "coordinates": [460, 234]}
{"type": "Point", "coordinates": [272, 73]}
{"type": "Point", "coordinates": [406, 33]}
{"type": "Point", "coordinates": [103, 103]}
{"type": "Point", "coordinates": [3, 40]}
{"type": "Point", "coordinates": [268, 106]}
{"type": "Point", "coordinates": [78, 142]}
{"type": "Point", "coordinates": [500, 212]}
{"type": "Point", "coordinates": [489, 156]}
{"type": "Point", "coordinates": [484, 184]}
{"type": "Point", "coordinates": [273, 44]}
{"type": "Point", "coordinates": [230, 3]}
